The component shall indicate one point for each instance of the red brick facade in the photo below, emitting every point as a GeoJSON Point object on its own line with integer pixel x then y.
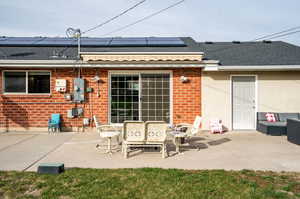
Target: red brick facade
{"type": "Point", "coordinates": [25, 111]}
{"type": "Point", "coordinates": [186, 96]}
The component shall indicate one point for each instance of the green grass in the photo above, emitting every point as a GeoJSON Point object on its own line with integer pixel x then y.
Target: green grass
{"type": "Point", "coordinates": [150, 183]}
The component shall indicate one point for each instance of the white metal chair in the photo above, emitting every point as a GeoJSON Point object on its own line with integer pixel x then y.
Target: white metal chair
{"type": "Point", "coordinates": [107, 132]}
{"type": "Point", "coordinates": [156, 135]}
{"type": "Point", "coordinates": [190, 129]}
{"type": "Point", "coordinates": [133, 135]}
{"type": "Point", "coordinates": [140, 134]}
{"type": "Point", "coordinates": [185, 131]}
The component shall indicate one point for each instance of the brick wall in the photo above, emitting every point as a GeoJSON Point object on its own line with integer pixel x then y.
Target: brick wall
{"type": "Point", "coordinates": [186, 96]}
{"type": "Point", "coordinates": [25, 111]}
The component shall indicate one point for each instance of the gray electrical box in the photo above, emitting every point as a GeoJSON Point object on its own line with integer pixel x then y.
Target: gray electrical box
{"type": "Point", "coordinates": [70, 113]}
{"type": "Point", "coordinates": [78, 95]}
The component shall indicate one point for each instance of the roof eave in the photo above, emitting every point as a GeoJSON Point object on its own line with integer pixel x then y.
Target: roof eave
{"type": "Point", "coordinates": [254, 67]}
{"type": "Point", "coordinates": [76, 63]}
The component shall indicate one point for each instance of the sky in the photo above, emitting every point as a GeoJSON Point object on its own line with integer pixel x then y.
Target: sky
{"type": "Point", "coordinates": [204, 20]}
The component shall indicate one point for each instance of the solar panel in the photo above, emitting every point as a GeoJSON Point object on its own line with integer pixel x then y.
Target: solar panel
{"type": "Point", "coordinates": [165, 41]}
{"type": "Point", "coordinates": [19, 40]}
{"type": "Point", "coordinates": [129, 41]}
{"type": "Point", "coordinates": [57, 42]}
{"type": "Point", "coordinates": [85, 41]}
{"type": "Point", "coordinates": [93, 42]}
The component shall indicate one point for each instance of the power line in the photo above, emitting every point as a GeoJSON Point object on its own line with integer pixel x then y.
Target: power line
{"type": "Point", "coordinates": [270, 35]}
{"type": "Point", "coordinates": [138, 21]}
{"type": "Point", "coordinates": [286, 34]}
{"type": "Point", "coordinates": [115, 17]}
{"type": "Point", "coordinates": [144, 18]}
{"type": "Point", "coordinates": [95, 27]}
{"type": "Point", "coordinates": [275, 35]}
{"type": "Point", "coordinates": [106, 22]}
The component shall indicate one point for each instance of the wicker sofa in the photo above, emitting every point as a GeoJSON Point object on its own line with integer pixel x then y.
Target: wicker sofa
{"type": "Point", "coordinates": [293, 131]}
{"type": "Point", "coordinates": [277, 128]}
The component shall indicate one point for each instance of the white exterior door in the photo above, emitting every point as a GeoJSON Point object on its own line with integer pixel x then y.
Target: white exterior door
{"type": "Point", "coordinates": [243, 102]}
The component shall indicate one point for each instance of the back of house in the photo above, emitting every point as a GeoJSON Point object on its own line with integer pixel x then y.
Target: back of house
{"type": "Point", "coordinates": [171, 79]}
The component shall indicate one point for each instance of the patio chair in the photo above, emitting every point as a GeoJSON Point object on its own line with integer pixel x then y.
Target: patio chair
{"type": "Point", "coordinates": [133, 135]}
{"type": "Point", "coordinates": [107, 132]}
{"type": "Point", "coordinates": [54, 123]}
{"type": "Point", "coordinates": [156, 135]}
{"type": "Point", "coordinates": [190, 129]}
{"type": "Point", "coordinates": [185, 131]}
{"type": "Point", "coordinates": [216, 126]}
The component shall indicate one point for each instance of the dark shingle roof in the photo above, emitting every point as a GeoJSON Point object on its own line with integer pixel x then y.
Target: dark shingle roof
{"type": "Point", "coordinates": [251, 53]}
{"type": "Point", "coordinates": [70, 52]}
{"type": "Point", "coordinates": [228, 53]}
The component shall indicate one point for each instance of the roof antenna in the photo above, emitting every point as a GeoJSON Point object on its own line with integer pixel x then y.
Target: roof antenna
{"type": "Point", "coordinates": [76, 33]}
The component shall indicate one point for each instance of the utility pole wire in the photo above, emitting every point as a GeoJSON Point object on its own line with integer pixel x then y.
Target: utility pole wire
{"type": "Point", "coordinates": [275, 35]}
{"type": "Point", "coordinates": [284, 31]}
{"type": "Point", "coordinates": [115, 17]}
{"type": "Point", "coordinates": [106, 22]}
{"type": "Point", "coordinates": [102, 24]}
{"type": "Point", "coordinates": [144, 18]}
{"type": "Point", "coordinates": [286, 34]}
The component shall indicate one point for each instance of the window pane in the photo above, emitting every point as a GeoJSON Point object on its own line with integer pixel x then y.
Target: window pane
{"type": "Point", "coordinates": [155, 97]}
{"type": "Point", "coordinates": [125, 101]}
{"type": "Point", "coordinates": [38, 82]}
{"type": "Point", "coordinates": [15, 82]}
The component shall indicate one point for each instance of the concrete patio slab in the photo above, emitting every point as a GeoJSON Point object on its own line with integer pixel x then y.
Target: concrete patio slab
{"type": "Point", "coordinates": [27, 149]}
{"type": "Point", "coordinates": [230, 151]}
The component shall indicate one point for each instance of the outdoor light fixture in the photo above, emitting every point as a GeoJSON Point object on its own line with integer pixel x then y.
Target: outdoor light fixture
{"type": "Point", "coordinates": [95, 79]}
{"type": "Point", "coordinates": [184, 79]}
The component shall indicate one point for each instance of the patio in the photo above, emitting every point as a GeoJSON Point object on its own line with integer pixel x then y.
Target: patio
{"type": "Point", "coordinates": [229, 151]}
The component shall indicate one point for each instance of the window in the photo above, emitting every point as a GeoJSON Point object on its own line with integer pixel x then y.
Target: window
{"type": "Point", "coordinates": [124, 98]}
{"type": "Point", "coordinates": [27, 82]}
{"type": "Point", "coordinates": [140, 96]}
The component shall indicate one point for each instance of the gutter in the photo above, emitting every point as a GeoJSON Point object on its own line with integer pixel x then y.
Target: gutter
{"type": "Point", "coordinates": [76, 63]}
{"type": "Point", "coordinates": [252, 68]}
{"type": "Point", "coordinates": [141, 53]}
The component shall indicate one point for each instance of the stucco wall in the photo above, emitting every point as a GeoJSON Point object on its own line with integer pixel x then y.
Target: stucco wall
{"type": "Point", "coordinates": [276, 91]}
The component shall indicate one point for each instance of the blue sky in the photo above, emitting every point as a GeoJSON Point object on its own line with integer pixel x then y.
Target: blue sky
{"type": "Point", "coordinates": [204, 20]}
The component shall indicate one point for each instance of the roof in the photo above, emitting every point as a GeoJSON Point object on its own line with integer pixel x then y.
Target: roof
{"type": "Point", "coordinates": [251, 53]}
{"type": "Point", "coordinates": [69, 52]}
{"type": "Point", "coordinates": [227, 53]}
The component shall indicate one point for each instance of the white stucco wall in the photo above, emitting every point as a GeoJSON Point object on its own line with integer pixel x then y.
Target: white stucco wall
{"type": "Point", "coordinates": [276, 91]}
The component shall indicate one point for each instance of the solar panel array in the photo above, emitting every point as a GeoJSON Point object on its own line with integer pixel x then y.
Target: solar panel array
{"type": "Point", "coordinates": [94, 42]}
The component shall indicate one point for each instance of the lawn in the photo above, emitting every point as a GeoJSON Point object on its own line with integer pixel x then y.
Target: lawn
{"type": "Point", "coordinates": [150, 183]}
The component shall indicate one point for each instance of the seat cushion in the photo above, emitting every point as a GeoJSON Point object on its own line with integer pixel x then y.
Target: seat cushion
{"type": "Point", "coordinates": [284, 116]}
{"type": "Point", "coordinates": [266, 123]}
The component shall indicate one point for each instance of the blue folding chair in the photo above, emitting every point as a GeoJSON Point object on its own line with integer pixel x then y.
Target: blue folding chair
{"type": "Point", "coordinates": [54, 123]}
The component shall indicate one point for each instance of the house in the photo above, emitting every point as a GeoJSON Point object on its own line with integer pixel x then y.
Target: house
{"type": "Point", "coordinates": [153, 78]}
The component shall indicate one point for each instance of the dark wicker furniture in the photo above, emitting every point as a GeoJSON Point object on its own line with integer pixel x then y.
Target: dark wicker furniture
{"type": "Point", "coordinates": [293, 131]}
{"type": "Point", "coordinates": [277, 128]}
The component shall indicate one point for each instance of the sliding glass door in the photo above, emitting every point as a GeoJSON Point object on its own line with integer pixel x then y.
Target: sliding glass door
{"type": "Point", "coordinates": [124, 103]}
{"type": "Point", "coordinates": [141, 96]}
